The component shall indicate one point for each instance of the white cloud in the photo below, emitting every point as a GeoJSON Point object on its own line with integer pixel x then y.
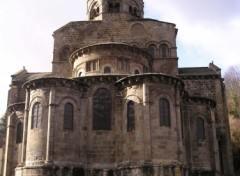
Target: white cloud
{"type": "Point", "coordinates": [208, 30]}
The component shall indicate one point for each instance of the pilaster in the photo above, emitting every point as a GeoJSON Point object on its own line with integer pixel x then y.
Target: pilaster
{"type": "Point", "coordinates": [9, 146]}
{"type": "Point", "coordinates": [25, 128]}
{"type": "Point", "coordinates": [147, 122]}
{"type": "Point", "coordinates": [49, 128]}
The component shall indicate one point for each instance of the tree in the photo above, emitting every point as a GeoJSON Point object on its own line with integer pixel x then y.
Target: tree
{"type": "Point", "coordinates": [3, 124]}
{"type": "Point", "coordinates": [232, 83]}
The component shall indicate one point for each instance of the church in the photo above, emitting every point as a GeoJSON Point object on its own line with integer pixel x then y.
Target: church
{"type": "Point", "coordinates": [116, 103]}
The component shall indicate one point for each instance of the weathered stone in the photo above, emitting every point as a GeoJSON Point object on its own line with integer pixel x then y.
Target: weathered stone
{"type": "Point", "coordinates": [178, 115]}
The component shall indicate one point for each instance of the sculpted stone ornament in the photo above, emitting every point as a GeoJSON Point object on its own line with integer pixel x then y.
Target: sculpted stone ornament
{"type": "Point", "coordinates": [116, 103]}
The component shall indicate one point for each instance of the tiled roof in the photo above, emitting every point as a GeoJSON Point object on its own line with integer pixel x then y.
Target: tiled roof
{"type": "Point", "coordinates": [197, 71]}
{"type": "Point", "coordinates": [31, 76]}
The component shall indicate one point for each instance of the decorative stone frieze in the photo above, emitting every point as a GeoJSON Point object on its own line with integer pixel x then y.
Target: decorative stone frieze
{"type": "Point", "coordinates": [151, 78]}
{"type": "Point", "coordinates": [110, 46]}
{"type": "Point", "coordinates": [54, 82]}
{"type": "Point", "coordinates": [16, 107]}
{"type": "Point", "coordinates": [117, 104]}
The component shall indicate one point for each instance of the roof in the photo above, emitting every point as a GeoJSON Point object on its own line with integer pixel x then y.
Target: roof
{"type": "Point", "coordinates": [75, 23]}
{"type": "Point", "coordinates": [197, 71]}
{"type": "Point", "coordinates": [31, 76]}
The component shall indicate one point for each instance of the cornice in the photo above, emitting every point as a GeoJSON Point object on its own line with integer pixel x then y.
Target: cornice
{"type": "Point", "coordinates": [16, 107]}
{"type": "Point", "coordinates": [91, 80]}
{"type": "Point", "coordinates": [55, 82]}
{"type": "Point", "coordinates": [109, 46]}
{"type": "Point", "coordinates": [150, 78]}
{"type": "Point", "coordinates": [197, 77]}
{"type": "Point", "coordinates": [200, 100]}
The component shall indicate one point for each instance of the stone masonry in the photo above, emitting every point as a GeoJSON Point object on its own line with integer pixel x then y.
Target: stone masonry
{"type": "Point", "coordinates": [117, 104]}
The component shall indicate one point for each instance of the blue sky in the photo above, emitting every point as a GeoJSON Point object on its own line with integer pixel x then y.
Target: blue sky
{"type": "Point", "coordinates": [209, 30]}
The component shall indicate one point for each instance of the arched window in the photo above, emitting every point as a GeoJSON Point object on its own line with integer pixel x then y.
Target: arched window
{"type": "Point", "coordinates": [78, 172]}
{"type": "Point", "coordinates": [135, 11]}
{"type": "Point", "coordinates": [200, 130]}
{"type": "Point", "coordinates": [68, 117]}
{"type": "Point", "coordinates": [102, 109]}
{"type": "Point", "coordinates": [130, 116]}
{"type": "Point", "coordinates": [110, 7]}
{"type": "Point", "coordinates": [136, 72]}
{"type": "Point", "coordinates": [19, 136]}
{"type": "Point", "coordinates": [164, 108]}
{"type": "Point", "coordinates": [164, 50]}
{"type": "Point", "coordinates": [117, 7]}
{"type": "Point", "coordinates": [152, 50]}
{"type": "Point", "coordinates": [130, 9]}
{"type": "Point", "coordinates": [64, 54]}
{"type": "Point", "coordinates": [36, 115]}
{"type": "Point", "coordinates": [114, 7]}
{"type": "Point", "coordinates": [88, 66]}
{"type": "Point", "coordinates": [94, 11]}
{"type": "Point", "coordinates": [110, 173]}
{"type": "Point", "coordinates": [107, 69]}
{"type": "Point", "coordinates": [92, 65]}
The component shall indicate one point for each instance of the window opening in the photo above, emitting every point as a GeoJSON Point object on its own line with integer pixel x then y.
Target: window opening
{"type": "Point", "coordinates": [19, 133]}
{"type": "Point", "coordinates": [68, 117]}
{"type": "Point", "coordinates": [117, 7]}
{"type": "Point", "coordinates": [78, 172]}
{"type": "Point", "coordinates": [107, 70]}
{"type": "Point", "coordinates": [200, 129]}
{"type": "Point", "coordinates": [114, 7]}
{"type": "Point", "coordinates": [130, 10]}
{"type": "Point", "coordinates": [91, 65]}
{"type": "Point", "coordinates": [136, 72]}
{"type": "Point", "coordinates": [110, 173]}
{"type": "Point", "coordinates": [220, 151]}
{"type": "Point", "coordinates": [164, 112]}
{"type": "Point", "coordinates": [135, 11]}
{"type": "Point", "coordinates": [65, 53]}
{"type": "Point", "coordinates": [94, 12]}
{"type": "Point", "coordinates": [164, 50]}
{"type": "Point", "coordinates": [152, 50]}
{"type": "Point", "coordinates": [95, 65]}
{"type": "Point", "coordinates": [36, 115]}
{"type": "Point", "coordinates": [110, 7]}
{"type": "Point", "coordinates": [88, 66]}
{"type": "Point", "coordinates": [130, 116]}
{"type": "Point", "coordinates": [102, 109]}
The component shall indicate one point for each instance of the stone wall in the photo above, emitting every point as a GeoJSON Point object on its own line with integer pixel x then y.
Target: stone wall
{"type": "Point", "coordinates": [140, 33]}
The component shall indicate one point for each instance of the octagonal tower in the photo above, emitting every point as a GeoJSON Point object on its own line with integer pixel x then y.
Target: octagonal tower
{"type": "Point", "coordinates": [108, 9]}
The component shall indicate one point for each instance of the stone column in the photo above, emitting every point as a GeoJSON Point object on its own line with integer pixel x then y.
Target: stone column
{"type": "Point", "coordinates": [186, 171]}
{"type": "Point", "coordinates": [147, 122]}
{"type": "Point", "coordinates": [49, 128]}
{"type": "Point", "coordinates": [61, 171]}
{"type": "Point", "coordinates": [182, 171]}
{"type": "Point", "coordinates": [179, 124]}
{"type": "Point", "coordinates": [215, 142]}
{"type": "Point", "coordinates": [172, 170]}
{"type": "Point", "coordinates": [156, 171]}
{"type": "Point", "coordinates": [161, 171]}
{"type": "Point", "coordinates": [70, 173]}
{"type": "Point", "coordinates": [9, 145]}
{"type": "Point", "coordinates": [105, 172]}
{"type": "Point", "coordinates": [25, 128]}
{"type": "Point", "coordinates": [177, 171]}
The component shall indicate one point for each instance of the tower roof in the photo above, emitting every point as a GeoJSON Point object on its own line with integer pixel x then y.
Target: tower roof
{"type": "Point", "coordinates": [108, 9]}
